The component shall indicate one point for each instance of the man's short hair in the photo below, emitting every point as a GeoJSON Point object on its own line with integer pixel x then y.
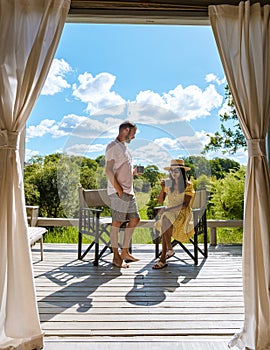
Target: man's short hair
{"type": "Point", "coordinates": [127, 124]}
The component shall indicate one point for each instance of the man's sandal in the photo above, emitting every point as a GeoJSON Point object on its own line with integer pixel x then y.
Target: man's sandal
{"type": "Point", "coordinates": [170, 253]}
{"type": "Point", "coordinates": [159, 265]}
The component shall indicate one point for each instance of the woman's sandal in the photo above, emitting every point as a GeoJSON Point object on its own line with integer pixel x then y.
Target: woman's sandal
{"type": "Point", "coordinates": [159, 265]}
{"type": "Point", "coordinates": [170, 253]}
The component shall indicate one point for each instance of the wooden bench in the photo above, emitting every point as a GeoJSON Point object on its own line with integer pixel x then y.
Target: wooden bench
{"type": "Point", "coordinates": [35, 233]}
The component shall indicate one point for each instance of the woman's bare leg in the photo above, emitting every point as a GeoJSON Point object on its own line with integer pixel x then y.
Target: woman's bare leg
{"type": "Point", "coordinates": [166, 228]}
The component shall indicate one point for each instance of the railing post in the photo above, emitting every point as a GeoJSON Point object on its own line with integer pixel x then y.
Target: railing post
{"type": "Point", "coordinates": [213, 236]}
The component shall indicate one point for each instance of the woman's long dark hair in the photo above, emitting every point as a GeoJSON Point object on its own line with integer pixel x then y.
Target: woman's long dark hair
{"type": "Point", "coordinates": [182, 184]}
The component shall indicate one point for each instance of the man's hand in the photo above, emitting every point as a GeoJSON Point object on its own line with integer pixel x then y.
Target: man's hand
{"type": "Point", "coordinates": [112, 178]}
{"type": "Point", "coordinates": [138, 170]}
{"type": "Point", "coordinates": [119, 190]}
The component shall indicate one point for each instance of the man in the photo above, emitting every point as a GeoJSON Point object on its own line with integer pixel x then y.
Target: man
{"type": "Point", "coordinates": [119, 171]}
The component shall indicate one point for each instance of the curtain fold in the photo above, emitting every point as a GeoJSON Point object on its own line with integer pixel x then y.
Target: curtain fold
{"type": "Point", "coordinates": [29, 34]}
{"type": "Point", "coordinates": [243, 40]}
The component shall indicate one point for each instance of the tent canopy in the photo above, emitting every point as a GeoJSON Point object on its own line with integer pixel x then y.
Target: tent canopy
{"type": "Point", "coordinates": [183, 12]}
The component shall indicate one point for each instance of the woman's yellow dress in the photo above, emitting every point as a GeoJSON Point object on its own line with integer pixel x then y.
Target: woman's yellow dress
{"type": "Point", "coordinates": [182, 220]}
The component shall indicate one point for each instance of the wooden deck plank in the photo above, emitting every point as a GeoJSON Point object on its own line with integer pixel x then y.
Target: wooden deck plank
{"type": "Point", "coordinates": [112, 344]}
{"type": "Point", "coordinates": [77, 299]}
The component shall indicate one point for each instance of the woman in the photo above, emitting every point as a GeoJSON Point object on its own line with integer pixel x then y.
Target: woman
{"type": "Point", "coordinates": [175, 220]}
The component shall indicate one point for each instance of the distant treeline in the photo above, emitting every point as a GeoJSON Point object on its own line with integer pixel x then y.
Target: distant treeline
{"type": "Point", "coordinates": [52, 181]}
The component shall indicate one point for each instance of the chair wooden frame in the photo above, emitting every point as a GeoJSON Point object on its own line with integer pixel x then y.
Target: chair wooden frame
{"type": "Point", "coordinates": [91, 222]}
{"type": "Point", "coordinates": [35, 234]}
{"type": "Point", "coordinates": [200, 228]}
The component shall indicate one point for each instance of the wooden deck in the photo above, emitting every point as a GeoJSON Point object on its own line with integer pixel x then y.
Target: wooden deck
{"type": "Point", "coordinates": [182, 301]}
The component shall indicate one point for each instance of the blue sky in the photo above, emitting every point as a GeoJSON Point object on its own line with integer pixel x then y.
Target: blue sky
{"type": "Point", "coordinates": [167, 79]}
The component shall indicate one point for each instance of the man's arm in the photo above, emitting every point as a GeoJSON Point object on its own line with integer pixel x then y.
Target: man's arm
{"type": "Point", "coordinates": [112, 178]}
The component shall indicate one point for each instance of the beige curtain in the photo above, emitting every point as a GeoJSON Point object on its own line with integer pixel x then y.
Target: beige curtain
{"type": "Point", "coordinates": [29, 34]}
{"type": "Point", "coordinates": [242, 34]}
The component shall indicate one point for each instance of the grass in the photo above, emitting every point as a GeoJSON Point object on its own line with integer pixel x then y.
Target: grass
{"type": "Point", "coordinates": [141, 235]}
{"type": "Point", "coordinates": [69, 235]}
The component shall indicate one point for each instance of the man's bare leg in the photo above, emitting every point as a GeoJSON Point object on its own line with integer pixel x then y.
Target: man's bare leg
{"type": "Point", "coordinates": [117, 259]}
{"type": "Point", "coordinates": [125, 254]}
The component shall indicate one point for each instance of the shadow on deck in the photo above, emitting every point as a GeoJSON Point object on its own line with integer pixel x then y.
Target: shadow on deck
{"type": "Point", "coordinates": [77, 299]}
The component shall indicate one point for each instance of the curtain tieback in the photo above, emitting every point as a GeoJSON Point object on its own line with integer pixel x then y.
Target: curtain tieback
{"type": "Point", "coordinates": [9, 139]}
{"type": "Point", "coordinates": [256, 147]}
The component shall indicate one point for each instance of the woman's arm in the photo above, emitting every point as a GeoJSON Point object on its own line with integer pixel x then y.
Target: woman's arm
{"type": "Point", "coordinates": [162, 193]}
{"type": "Point", "coordinates": [186, 201]}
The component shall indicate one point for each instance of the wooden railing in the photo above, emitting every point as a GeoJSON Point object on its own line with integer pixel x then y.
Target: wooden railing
{"type": "Point", "coordinates": [214, 224]}
{"type": "Point", "coordinates": [211, 223]}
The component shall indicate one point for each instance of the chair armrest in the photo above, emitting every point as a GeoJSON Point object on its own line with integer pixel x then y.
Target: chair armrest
{"type": "Point", "coordinates": [157, 209]}
{"type": "Point", "coordinates": [94, 210]}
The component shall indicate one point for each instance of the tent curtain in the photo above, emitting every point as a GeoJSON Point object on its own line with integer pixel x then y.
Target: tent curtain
{"type": "Point", "coordinates": [243, 40]}
{"type": "Point", "coordinates": [29, 34]}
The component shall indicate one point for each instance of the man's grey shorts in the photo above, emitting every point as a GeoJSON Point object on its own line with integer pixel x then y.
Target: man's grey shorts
{"type": "Point", "coordinates": [123, 208]}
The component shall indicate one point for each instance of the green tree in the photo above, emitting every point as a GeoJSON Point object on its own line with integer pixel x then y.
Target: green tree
{"type": "Point", "coordinates": [46, 182]}
{"type": "Point", "coordinates": [52, 183]}
{"type": "Point", "coordinates": [88, 178]}
{"type": "Point", "coordinates": [230, 138]}
{"type": "Point", "coordinates": [30, 187]}
{"type": "Point", "coordinates": [227, 198]}
{"type": "Point", "coordinates": [221, 166]}
{"type": "Point", "coordinates": [68, 175]}
{"type": "Point", "coordinates": [101, 160]}
{"type": "Point", "coordinates": [203, 181]}
{"type": "Point", "coordinates": [151, 174]}
{"type": "Point", "coordinates": [101, 178]}
{"type": "Point", "coordinates": [153, 201]}
{"type": "Point", "coordinates": [199, 165]}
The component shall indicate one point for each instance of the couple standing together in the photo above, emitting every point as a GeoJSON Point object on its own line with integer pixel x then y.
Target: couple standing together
{"type": "Point", "coordinates": [174, 220]}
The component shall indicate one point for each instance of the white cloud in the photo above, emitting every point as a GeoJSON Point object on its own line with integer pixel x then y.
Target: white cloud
{"type": "Point", "coordinates": [194, 144]}
{"type": "Point", "coordinates": [87, 127]}
{"type": "Point", "coordinates": [213, 78]}
{"type": "Point", "coordinates": [167, 143]}
{"type": "Point", "coordinates": [151, 154]}
{"type": "Point", "coordinates": [179, 104]}
{"type": "Point", "coordinates": [30, 153]}
{"type": "Point", "coordinates": [45, 127]}
{"type": "Point", "coordinates": [225, 109]}
{"type": "Point", "coordinates": [186, 144]}
{"type": "Point", "coordinates": [96, 91]}
{"type": "Point", "coordinates": [240, 156]}
{"type": "Point", "coordinates": [76, 127]}
{"type": "Point", "coordinates": [85, 149]}
{"type": "Point", "coordinates": [56, 81]}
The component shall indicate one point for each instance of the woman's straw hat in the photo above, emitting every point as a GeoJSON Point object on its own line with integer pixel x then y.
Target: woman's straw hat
{"type": "Point", "coordinates": [177, 163]}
